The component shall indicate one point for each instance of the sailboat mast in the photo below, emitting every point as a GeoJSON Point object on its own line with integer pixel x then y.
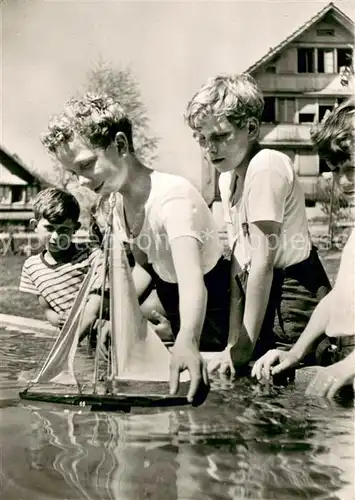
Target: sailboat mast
{"type": "Point", "coordinates": [107, 242]}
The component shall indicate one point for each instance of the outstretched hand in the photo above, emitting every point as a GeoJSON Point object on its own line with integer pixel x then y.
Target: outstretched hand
{"type": "Point", "coordinates": [273, 362]}
{"type": "Point", "coordinates": [185, 355]}
{"type": "Point", "coordinates": [328, 381]}
{"type": "Point", "coordinates": [222, 362]}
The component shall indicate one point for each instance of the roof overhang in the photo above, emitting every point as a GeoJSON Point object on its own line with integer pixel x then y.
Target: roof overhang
{"type": "Point", "coordinates": [15, 166]}
{"type": "Point", "coordinates": [339, 16]}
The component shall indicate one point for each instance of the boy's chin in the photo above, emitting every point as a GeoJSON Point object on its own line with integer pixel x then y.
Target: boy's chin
{"type": "Point", "coordinates": [56, 250]}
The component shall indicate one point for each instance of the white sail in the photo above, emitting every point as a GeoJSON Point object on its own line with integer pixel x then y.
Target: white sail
{"type": "Point", "coordinates": [59, 365]}
{"type": "Point", "coordinates": [137, 351]}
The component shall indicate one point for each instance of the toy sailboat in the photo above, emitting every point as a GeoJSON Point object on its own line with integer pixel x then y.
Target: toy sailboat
{"type": "Point", "coordinates": [137, 360]}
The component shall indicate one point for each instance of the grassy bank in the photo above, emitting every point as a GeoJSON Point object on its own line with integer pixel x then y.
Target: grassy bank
{"type": "Point", "coordinates": [12, 301]}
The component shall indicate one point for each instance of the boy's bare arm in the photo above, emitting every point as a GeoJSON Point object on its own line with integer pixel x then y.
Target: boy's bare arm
{"type": "Point", "coordinates": [277, 360]}
{"type": "Point", "coordinates": [90, 314]}
{"type": "Point", "coordinates": [328, 381]}
{"type": "Point", "coordinates": [264, 237]}
{"type": "Point", "coordinates": [314, 329]}
{"type": "Point", "coordinates": [53, 317]}
{"type": "Point", "coordinates": [236, 305]}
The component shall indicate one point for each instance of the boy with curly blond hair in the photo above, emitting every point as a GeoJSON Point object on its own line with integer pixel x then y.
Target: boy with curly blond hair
{"type": "Point", "coordinates": [264, 210]}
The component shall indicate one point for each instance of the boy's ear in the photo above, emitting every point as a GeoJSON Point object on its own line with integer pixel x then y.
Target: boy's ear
{"type": "Point", "coordinates": [33, 224]}
{"type": "Point", "coordinates": [121, 143]}
{"type": "Point", "coordinates": [253, 128]}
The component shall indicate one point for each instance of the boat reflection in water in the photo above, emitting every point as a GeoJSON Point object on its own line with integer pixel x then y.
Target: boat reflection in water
{"type": "Point", "coordinates": [233, 447]}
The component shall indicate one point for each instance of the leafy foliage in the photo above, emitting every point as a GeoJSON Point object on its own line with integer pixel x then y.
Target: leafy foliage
{"type": "Point", "coordinates": [337, 203]}
{"type": "Point", "coordinates": [121, 85]}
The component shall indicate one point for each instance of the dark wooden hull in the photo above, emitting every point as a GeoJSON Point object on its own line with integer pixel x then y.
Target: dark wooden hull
{"type": "Point", "coordinates": [105, 402]}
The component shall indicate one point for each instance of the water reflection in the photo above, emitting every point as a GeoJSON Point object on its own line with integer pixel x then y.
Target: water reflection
{"type": "Point", "coordinates": [171, 454]}
{"type": "Point", "coordinates": [245, 442]}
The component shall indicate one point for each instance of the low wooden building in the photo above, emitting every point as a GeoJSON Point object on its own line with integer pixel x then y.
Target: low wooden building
{"type": "Point", "coordinates": [18, 188]}
{"type": "Point", "coordinates": [302, 79]}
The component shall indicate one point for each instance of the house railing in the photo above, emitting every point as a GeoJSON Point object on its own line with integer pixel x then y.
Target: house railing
{"type": "Point", "coordinates": [304, 82]}
{"type": "Point", "coordinates": [17, 205]}
{"type": "Point", "coordinates": [285, 132]}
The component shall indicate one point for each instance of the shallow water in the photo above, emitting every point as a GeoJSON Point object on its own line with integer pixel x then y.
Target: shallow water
{"type": "Point", "coordinates": [246, 441]}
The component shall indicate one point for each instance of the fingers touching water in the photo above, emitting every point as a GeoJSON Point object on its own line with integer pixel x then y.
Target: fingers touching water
{"type": "Point", "coordinates": [222, 362]}
{"type": "Point", "coordinates": [185, 355]}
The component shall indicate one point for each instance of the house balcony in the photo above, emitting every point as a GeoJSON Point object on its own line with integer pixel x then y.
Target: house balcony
{"type": "Point", "coordinates": [16, 206]}
{"type": "Point", "coordinates": [285, 134]}
{"type": "Point", "coordinates": [301, 83]}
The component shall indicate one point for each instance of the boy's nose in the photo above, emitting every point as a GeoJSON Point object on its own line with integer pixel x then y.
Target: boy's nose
{"type": "Point", "coordinates": [53, 239]}
{"type": "Point", "coordinates": [211, 147]}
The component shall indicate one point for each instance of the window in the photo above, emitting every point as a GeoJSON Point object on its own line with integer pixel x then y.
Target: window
{"type": "Point", "coordinates": [306, 117]}
{"type": "Point", "coordinates": [271, 69]}
{"type": "Point", "coordinates": [305, 60]}
{"type": "Point", "coordinates": [345, 57]}
{"type": "Point", "coordinates": [269, 115]}
{"type": "Point", "coordinates": [5, 195]}
{"type": "Point", "coordinates": [307, 110]}
{"type": "Point", "coordinates": [325, 60]}
{"type": "Point", "coordinates": [17, 194]}
{"type": "Point", "coordinates": [323, 167]}
{"type": "Point", "coordinates": [31, 193]}
{"type": "Point", "coordinates": [287, 110]}
{"type": "Point", "coordinates": [323, 109]}
{"type": "Point", "coordinates": [325, 32]}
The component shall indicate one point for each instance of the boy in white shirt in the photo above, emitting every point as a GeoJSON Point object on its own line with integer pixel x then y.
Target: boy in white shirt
{"type": "Point", "coordinates": [165, 221]}
{"type": "Point", "coordinates": [265, 212]}
{"type": "Point", "coordinates": [335, 314]}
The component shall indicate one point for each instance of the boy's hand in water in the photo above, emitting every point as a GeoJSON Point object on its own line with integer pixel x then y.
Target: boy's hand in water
{"type": "Point", "coordinates": [328, 381]}
{"type": "Point", "coordinates": [223, 362]}
{"type": "Point", "coordinates": [273, 362]}
{"type": "Point", "coordinates": [262, 366]}
{"type": "Point", "coordinates": [185, 355]}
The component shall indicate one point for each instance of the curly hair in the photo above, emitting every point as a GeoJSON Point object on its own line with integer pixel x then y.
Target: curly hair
{"type": "Point", "coordinates": [95, 117]}
{"type": "Point", "coordinates": [237, 97]}
{"type": "Point", "coordinates": [334, 137]}
{"type": "Point", "coordinates": [56, 205]}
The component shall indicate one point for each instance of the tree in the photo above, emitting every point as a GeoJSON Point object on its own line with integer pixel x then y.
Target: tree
{"type": "Point", "coordinates": [334, 205]}
{"type": "Point", "coordinates": [121, 85]}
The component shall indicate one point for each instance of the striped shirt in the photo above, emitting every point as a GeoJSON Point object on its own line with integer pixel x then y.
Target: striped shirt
{"type": "Point", "coordinates": [59, 283]}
